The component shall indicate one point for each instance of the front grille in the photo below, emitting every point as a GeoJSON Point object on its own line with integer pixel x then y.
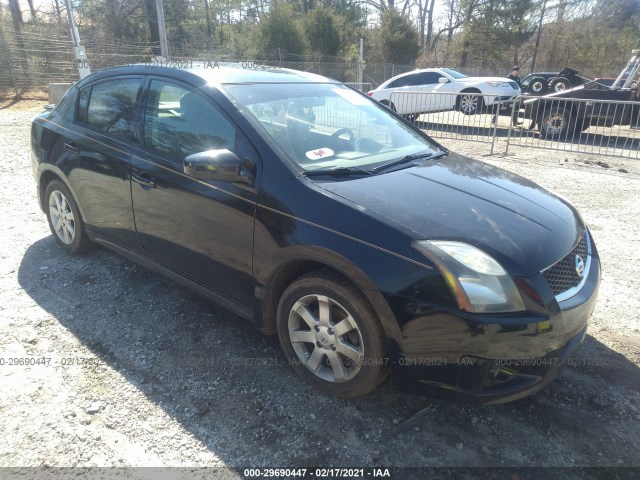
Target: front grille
{"type": "Point", "coordinates": [563, 276]}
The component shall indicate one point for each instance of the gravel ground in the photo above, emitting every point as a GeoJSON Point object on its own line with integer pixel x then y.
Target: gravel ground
{"type": "Point", "coordinates": [141, 372]}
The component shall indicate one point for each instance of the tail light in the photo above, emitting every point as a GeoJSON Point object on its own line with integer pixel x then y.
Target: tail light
{"type": "Point", "coordinates": [369, 92]}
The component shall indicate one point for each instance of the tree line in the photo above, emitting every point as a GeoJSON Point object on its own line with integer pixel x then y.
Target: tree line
{"type": "Point", "coordinates": [476, 36]}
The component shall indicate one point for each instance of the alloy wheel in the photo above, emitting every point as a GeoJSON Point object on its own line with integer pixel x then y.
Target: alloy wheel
{"type": "Point", "coordinates": [326, 338]}
{"type": "Point", "coordinates": [468, 104]}
{"type": "Point", "coordinates": [62, 218]}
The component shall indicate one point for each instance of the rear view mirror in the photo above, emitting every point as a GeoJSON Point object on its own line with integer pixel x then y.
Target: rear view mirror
{"type": "Point", "coordinates": [308, 102]}
{"type": "Point", "coordinates": [221, 165]}
{"type": "Point", "coordinates": [443, 80]}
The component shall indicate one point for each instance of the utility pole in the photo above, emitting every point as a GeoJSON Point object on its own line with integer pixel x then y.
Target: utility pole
{"type": "Point", "coordinates": [360, 62]}
{"type": "Point", "coordinates": [78, 50]}
{"type": "Point", "coordinates": [164, 45]}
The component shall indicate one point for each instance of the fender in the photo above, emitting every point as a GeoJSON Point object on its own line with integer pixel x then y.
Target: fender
{"type": "Point", "coordinates": [50, 169]}
{"type": "Point", "coordinates": [291, 262]}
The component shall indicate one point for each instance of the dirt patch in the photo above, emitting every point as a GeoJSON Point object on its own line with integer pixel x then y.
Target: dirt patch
{"type": "Point", "coordinates": [137, 371]}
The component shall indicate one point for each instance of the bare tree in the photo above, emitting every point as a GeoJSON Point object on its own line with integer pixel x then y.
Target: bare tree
{"type": "Point", "coordinates": [538, 35]}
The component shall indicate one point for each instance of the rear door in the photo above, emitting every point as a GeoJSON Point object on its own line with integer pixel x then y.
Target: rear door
{"type": "Point", "coordinates": [202, 230]}
{"type": "Point", "coordinates": [405, 96]}
{"type": "Point", "coordinates": [99, 154]}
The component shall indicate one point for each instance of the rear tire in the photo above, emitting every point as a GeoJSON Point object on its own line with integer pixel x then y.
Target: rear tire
{"type": "Point", "coordinates": [557, 123]}
{"type": "Point", "coordinates": [64, 218]}
{"type": "Point", "coordinates": [560, 84]}
{"type": "Point", "coordinates": [331, 335]}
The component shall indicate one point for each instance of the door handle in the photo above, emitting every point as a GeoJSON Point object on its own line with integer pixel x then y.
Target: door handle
{"type": "Point", "coordinates": [144, 179]}
{"type": "Point", "coordinates": [71, 147]}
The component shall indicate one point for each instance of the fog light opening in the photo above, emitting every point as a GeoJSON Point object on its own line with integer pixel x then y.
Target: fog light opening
{"type": "Point", "coordinates": [500, 374]}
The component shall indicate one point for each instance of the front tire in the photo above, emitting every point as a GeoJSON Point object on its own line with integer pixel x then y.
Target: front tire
{"type": "Point", "coordinates": [469, 103]}
{"type": "Point", "coordinates": [64, 218]}
{"type": "Point", "coordinates": [331, 335]}
{"type": "Point", "coordinates": [538, 86]}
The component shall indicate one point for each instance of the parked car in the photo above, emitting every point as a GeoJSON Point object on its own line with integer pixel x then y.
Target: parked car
{"type": "Point", "coordinates": [405, 93]}
{"type": "Point", "coordinates": [539, 83]}
{"type": "Point", "coordinates": [603, 102]}
{"type": "Point", "coordinates": [321, 216]}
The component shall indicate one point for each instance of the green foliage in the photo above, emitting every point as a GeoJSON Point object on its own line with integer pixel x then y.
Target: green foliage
{"type": "Point", "coordinates": [495, 29]}
{"type": "Point", "coordinates": [321, 31]}
{"type": "Point", "coordinates": [279, 30]}
{"type": "Point", "coordinates": [487, 36]}
{"type": "Point", "coordinates": [116, 19]}
{"type": "Point", "coordinates": [396, 38]}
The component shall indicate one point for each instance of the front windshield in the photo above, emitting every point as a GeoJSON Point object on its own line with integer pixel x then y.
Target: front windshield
{"type": "Point", "coordinates": [454, 73]}
{"type": "Point", "coordinates": [329, 126]}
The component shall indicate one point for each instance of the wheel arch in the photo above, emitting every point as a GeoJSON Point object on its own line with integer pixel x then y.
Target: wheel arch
{"type": "Point", "coordinates": [555, 104]}
{"type": "Point", "coordinates": [44, 177]}
{"type": "Point", "coordinates": [466, 90]}
{"type": "Point", "coordinates": [301, 260]}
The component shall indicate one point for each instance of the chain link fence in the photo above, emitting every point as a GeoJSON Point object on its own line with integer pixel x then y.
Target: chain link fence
{"type": "Point", "coordinates": [43, 54]}
{"type": "Point", "coordinates": [31, 61]}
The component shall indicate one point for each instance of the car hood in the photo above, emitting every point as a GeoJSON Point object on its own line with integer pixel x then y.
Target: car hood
{"type": "Point", "coordinates": [523, 226]}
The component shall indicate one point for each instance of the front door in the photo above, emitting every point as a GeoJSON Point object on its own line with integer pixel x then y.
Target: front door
{"type": "Point", "coordinates": [203, 230]}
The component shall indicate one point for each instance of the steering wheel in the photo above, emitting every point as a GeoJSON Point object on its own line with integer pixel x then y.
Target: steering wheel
{"type": "Point", "coordinates": [343, 131]}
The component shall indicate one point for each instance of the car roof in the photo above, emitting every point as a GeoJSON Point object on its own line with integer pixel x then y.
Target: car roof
{"type": "Point", "coordinates": [215, 73]}
{"type": "Point", "coordinates": [417, 70]}
{"type": "Point", "coordinates": [412, 72]}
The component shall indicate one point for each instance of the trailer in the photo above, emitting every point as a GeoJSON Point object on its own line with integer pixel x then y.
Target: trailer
{"type": "Point", "coordinates": [561, 115]}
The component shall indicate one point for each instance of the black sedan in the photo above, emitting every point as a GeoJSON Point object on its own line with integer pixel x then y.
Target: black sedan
{"type": "Point", "coordinates": [325, 218]}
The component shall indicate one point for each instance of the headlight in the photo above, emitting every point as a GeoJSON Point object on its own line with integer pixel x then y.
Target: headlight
{"type": "Point", "coordinates": [479, 283]}
{"type": "Point", "coordinates": [496, 83]}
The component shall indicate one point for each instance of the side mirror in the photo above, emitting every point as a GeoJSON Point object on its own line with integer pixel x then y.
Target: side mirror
{"type": "Point", "coordinates": [221, 165]}
{"type": "Point", "coordinates": [443, 80]}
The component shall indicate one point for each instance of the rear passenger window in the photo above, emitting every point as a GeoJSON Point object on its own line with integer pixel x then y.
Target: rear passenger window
{"type": "Point", "coordinates": [111, 107]}
{"type": "Point", "coordinates": [407, 81]}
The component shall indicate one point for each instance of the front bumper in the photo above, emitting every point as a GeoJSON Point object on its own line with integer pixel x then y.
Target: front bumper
{"type": "Point", "coordinates": [489, 359]}
{"type": "Point", "coordinates": [500, 96]}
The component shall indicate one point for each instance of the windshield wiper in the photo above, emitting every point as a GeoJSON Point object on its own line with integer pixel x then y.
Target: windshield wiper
{"type": "Point", "coordinates": [338, 172]}
{"type": "Point", "coordinates": [409, 158]}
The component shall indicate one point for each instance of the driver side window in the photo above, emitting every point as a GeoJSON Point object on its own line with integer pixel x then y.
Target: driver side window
{"type": "Point", "coordinates": [179, 122]}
